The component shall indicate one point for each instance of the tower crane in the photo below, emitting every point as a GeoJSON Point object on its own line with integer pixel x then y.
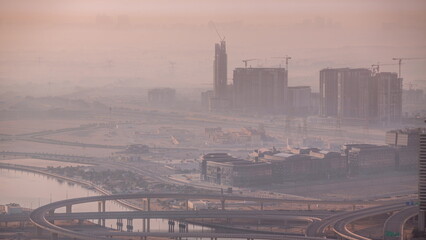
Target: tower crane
{"type": "Point", "coordinates": [218, 34]}
{"type": "Point", "coordinates": [245, 61]}
{"type": "Point", "coordinates": [400, 63]}
{"type": "Point", "coordinates": [376, 67]}
{"type": "Point", "coordinates": [286, 57]}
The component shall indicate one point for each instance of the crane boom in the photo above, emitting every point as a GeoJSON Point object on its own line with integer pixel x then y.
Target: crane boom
{"type": "Point", "coordinates": [218, 34]}
{"type": "Point", "coordinates": [245, 61]}
{"type": "Point", "coordinates": [400, 62]}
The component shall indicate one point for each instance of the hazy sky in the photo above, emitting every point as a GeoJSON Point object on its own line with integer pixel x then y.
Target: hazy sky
{"type": "Point", "coordinates": [161, 43]}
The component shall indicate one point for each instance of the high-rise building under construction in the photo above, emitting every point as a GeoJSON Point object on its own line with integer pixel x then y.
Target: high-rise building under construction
{"type": "Point", "coordinates": [422, 182]}
{"type": "Point", "coordinates": [220, 69]}
{"type": "Point", "coordinates": [358, 94]}
{"type": "Point", "coordinates": [260, 90]}
{"type": "Point", "coordinates": [220, 100]}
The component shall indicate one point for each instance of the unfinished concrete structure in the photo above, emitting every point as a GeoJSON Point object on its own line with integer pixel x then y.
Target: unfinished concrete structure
{"type": "Point", "coordinates": [345, 93]}
{"type": "Point", "coordinates": [387, 97]}
{"type": "Point", "coordinates": [220, 99]}
{"type": "Point", "coordinates": [260, 90]}
{"type": "Point", "coordinates": [358, 94]}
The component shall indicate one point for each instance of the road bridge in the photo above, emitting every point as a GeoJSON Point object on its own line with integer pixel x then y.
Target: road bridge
{"type": "Point", "coordinates": [394, 225]}
{"type": "Point", "coordinates": [40, 216]}
{"type": "Point", "coordinates": [340, 226]}
{"type": "Point", "coordinates": [339, 221]}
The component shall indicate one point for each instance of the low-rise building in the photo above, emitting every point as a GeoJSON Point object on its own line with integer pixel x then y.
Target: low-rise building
{"type": "Point", "coordinates": [405, 143]}
{"type": "Point", "coordinates": [368, 158]}
{"type": "Point", "coordinates": [197, 204]}
{"type": "Point", "coordinates": [13, 208]}
{"type": "Point", "coordinates": [223, 169]}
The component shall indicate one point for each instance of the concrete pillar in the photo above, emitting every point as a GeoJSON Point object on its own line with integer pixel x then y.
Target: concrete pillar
{"type": "Point", "coordinates": [120, 224]}
{"type": "Point", "coordinates": [129, 225]}
{"type": "Point", "coordinates": [309, 207]}
{"type": "Point", "coordinates": [148, 225]}
{"type": "Point", "coordinates": [68, 208]}
{"type": "Point", "coordinates": [187, 204]}
{"type": "Point", "coordinates": [144, 225]}
{"type": "Point", "coordinates": [149, 203]}
{"type": "Point", "coordinates": [99, 210]}
{"type": "Point", "coordinates": [103, 205]}
{"type": "Point", "coordinates": [222, 201]}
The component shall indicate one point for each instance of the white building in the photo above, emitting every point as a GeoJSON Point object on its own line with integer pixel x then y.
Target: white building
{"type": "Point", "coordinates": [13, 208]}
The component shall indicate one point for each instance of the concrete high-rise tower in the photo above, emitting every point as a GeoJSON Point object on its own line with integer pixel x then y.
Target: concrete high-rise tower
{"type": "Point", "coordinates": [388, 97]}
{"type": "Point", "coordinates": [220, 69]}
{"type": "Point", "coordinates": [422, 182]}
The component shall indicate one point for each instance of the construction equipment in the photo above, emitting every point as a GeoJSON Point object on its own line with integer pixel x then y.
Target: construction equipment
{"type": "Point", "coordinates": [376, 67]}
{"type": "Point", "coordinates": [286, 57]}
{"type": "Point", "coordinates": [218, 34]}
{"type": "Point", "coordinates": [248, 60]}
{"type": "Point", "coordinates": [400, 63]}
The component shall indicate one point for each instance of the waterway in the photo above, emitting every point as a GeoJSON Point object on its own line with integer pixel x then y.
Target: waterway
{"type": "Point", "coordinates": [32, 190]}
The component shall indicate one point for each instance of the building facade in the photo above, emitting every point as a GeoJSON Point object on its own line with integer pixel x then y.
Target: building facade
{"type": "Point", "coordinates": [358, 94]}
{"type": "Point", "coordinates": [260, 90]}
{"type": "Point", "coordinates": [367, 158]}
{"type": "Point", "coordinates": [422, 182]}
{"type": "Point", "coordinates": [387, 97]}
{"type": "Point", "coordinates": [223, 169]}
{"type": "Point", "coordinates": [405, 143]}
{"type": "Point", "coordinates": [220, 70]}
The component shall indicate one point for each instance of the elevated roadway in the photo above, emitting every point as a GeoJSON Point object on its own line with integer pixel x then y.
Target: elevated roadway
{"type": "Point", "coordinates": [340, 227]}
{"type": "Point", "coordinates": [394, 225]}
{"type": "Point", "coordinates": [256, 214]}
{"type": "Point", "coordinates": [40, 216]}
{"type": "Point", "coordinates": [339, 221]}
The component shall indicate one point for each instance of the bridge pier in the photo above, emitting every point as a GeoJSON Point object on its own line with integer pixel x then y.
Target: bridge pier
{"type": "Point", "coordinates": [143, 225]}
{"type": "Point", "coordinates": [148, 225]}
{"type": "Point", "coordinates": [183, 227]}
{"type": "Point", "coordinates": [68, 208]}
{"type": "Point", "coordinates": [148, 200]}
{"type": "Point", "coordinates": [171, 224]}
{"type": "Point", "coordinates": [101, 208]}
{"type": "Point", "coordinates": [120, 224]}
{"type": "Point", "coordinates": [129, 225]}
